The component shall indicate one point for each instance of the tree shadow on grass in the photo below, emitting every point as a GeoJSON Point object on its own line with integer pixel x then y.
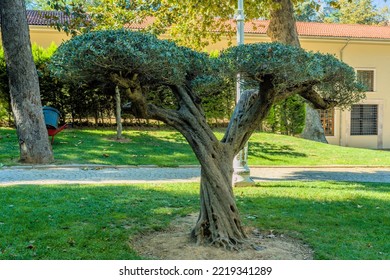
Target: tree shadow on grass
{"type": "Point", "coordinates": [350, 228]}
{"type": "Point", "coordinates": [340, 185]}
{"type": "Point", "coordinates": [378, 180]}
{"type": "Point", "coordinates": [85, 222]}
{"type": "Point", "coordinates": [141, 149]}
{"type": "Point", "coordinates": [269, 151]}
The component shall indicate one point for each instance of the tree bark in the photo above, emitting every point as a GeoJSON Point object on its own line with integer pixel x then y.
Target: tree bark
{"type": "Point", "coordinates": [118, 113]}
{"type": "Point", "coordinates": [282, 28]}
{"type": "Point", "coordinates": [219, 221]}
{"type": "Point", "coordinates": [24, 86]}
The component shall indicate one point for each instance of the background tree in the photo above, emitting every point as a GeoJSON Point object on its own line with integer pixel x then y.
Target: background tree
{"type": "Point", "coordinates": [137, 62]}
{"type": "Point", "coordinates": [356, 11]}
{"type": "Point", "coordinates": [23, 84]}
{"type": "Point", "coordinates": [282, 28]}
{"type": "Point", "coordinates": [307, 11]}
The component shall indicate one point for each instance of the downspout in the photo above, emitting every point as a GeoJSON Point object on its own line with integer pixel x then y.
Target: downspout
{"type": "Point", "coordinates": [341, 112]}
{"type": "Point", "coordinates": [342, 49]}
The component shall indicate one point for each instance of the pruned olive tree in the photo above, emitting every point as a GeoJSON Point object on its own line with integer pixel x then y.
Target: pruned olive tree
{"type": "Point", "coordinates": [137, 62]}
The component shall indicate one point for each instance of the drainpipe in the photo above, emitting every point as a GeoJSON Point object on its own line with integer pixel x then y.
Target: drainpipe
{"type": "Point", "coordinates": [342, 49]}
{"type": "Point", "coordinates": [341, 139]}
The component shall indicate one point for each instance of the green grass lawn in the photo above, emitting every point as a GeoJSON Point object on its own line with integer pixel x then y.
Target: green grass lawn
{"type": "Point", "coordinates": [337, 220]}
{"type": "Point", "coordinates": [168, 148]}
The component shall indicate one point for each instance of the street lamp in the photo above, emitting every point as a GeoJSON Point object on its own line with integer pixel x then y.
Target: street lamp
{"type": "Point", "coordinates": [241, 173]}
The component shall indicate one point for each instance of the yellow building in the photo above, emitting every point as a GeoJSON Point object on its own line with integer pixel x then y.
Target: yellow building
{"type": "Point", "coordinates": [40, 32]}
{"type": "Point", "coordinates": [366, 48]}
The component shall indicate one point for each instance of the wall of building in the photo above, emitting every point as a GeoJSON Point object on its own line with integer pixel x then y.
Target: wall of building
{"type": "Point", "coordinates": [364, 55]}
{"type": "Point", "coordinates": [44, 36]}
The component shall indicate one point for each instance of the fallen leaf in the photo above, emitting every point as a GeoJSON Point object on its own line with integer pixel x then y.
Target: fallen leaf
{"type": "Point", "coordinates": [106, 155]}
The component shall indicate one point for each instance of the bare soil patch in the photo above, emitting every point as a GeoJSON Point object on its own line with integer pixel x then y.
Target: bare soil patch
{"type": "Point", "coordinates": [121, 140]}
{"type": "Point", "coordinates": [175, 244]}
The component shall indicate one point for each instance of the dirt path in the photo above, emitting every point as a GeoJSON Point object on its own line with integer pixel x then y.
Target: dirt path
{"type": "Point", "coordinates": [174, 244]}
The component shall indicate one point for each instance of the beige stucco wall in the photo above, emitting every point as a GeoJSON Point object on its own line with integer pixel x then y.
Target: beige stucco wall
{"type": "Point", "coordinates": [44, 36]}
{"type": "Point", "coordinates": [359, 54]}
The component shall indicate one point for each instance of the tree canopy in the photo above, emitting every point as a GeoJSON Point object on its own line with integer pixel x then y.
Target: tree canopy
{"type": "Point", "coordinates": [103, 55]}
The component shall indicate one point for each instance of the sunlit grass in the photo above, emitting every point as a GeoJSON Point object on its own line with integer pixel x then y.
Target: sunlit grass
{"type": "Point", "coordinates": [169, 148]}
{"type": "Point", "coordinates": [337, 220]}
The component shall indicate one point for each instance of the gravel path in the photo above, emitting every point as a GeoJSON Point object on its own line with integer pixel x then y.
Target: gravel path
{"type": "Point", "coordinates": [104, 175]}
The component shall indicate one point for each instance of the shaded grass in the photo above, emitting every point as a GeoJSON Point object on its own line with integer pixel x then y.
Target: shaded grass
{"type": "Point", "coordinates": [85, 222]}
{"type": "Point", "coordinates": [338, 220]}
{"type": "Point", "coordinates": [169, 148]}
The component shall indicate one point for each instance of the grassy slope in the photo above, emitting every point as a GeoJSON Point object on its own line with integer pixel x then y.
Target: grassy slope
{"type": "Point", "coordinates": [168, 148]}
{"type": "Point", "coordinates": [338, 220]}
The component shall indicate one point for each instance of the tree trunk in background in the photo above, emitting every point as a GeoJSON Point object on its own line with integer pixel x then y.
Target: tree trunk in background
{"type": "Point", "coordinates": [24, 85]}
{"type": "Point", "coordinates": [282, 28]}
{"type": "Point", "coordinates": [118, 113]}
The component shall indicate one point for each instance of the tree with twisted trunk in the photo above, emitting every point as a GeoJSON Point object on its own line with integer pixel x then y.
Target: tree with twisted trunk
{"type": "Point", "coordinates": [23, 84]}
{"type": "Point", "coordinates": [138, 62]}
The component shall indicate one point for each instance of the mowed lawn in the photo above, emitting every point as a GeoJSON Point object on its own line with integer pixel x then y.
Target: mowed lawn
{"type": "Point", "coordinates": [169, 148]}
{"type": "Point", "coordinates": [337, 220]}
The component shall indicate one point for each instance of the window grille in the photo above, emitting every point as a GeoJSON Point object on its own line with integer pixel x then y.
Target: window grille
{"type": "Point", "coordinates": [364, 120]}
{"type": "Point", "coordinates": [366, 77]}
{"type": "Point", "coordinates": [327, 120]}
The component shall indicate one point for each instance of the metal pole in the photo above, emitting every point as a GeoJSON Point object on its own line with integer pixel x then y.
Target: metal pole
{"type": "Point", "coordinates": [241, 173]}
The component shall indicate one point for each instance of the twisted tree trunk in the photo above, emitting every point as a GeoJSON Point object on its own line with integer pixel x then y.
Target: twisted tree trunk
{"type": "Point", "coordinates": [219, 221]}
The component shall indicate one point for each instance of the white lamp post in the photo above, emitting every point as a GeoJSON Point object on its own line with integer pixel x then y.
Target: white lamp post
{"type": "Point", "coordinates": [241, 174]}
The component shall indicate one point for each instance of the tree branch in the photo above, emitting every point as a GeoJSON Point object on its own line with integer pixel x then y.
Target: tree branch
{"type": "Point", "coordinates": [316, 99]}
{"type": "Point", "coordinates": [252, 108]}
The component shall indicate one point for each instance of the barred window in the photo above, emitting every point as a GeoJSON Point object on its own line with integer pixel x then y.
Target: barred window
{"type": "Point", "coordinates": [366, 77]}
{"type": "Point", "coordinates": [364, 120]}
{"type": "Point", "coordinates": [327, 120]}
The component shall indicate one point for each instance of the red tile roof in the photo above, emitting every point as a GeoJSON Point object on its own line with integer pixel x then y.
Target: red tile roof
{"type": "Point", "coordinates": [45, 17]}
{"type": "Point", "coordinates": [314, 29]}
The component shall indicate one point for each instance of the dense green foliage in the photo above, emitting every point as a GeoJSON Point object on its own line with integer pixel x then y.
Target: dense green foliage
{"type": "Point", "coordinates": [294, 67]}
{"type": "Point", "coordinates": [95, 56]}
{"type": "Point", "coordinates": [286, 117]}
{"type": "Point", "coordinates": [337, 220]}
{"type": "Point", "coordinates": [4, 91]}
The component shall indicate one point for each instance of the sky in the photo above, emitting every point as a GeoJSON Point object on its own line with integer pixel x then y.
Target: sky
{"type": "Point", "coordinates": [381, 3]}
